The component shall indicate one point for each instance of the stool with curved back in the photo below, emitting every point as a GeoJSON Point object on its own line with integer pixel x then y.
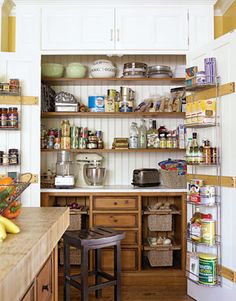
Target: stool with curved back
{"type": "Point", "coordinates": [92, 239]}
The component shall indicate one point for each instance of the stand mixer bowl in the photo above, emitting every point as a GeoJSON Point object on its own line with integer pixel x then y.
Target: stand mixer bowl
{"type": "Point", "coordinates": [94, 175]}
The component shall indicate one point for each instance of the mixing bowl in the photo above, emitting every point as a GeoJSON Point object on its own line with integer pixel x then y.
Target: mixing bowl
{"type": "Point", "coordinates": [75, 70]}
{"type": "Point", "coordinates": [94, 175]}
{"type": "Point", "coordinates": [52, 70]}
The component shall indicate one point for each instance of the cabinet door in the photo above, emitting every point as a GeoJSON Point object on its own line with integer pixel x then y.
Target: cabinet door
{"type": "Point", "coordinates": [201, 26]}
{"type": "Point", "coordinates": [44, 282]}
{"type": "Point", "coordinates": [29, 296]}
{"type": "Point", "coordinates": [77, 28]}
{"type": "Point", "coordinates": [152, 28]}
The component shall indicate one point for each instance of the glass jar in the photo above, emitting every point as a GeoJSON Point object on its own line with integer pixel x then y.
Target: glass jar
{"type": "Point", "coordinates": [3, 117]}
{"type": "Point", "coordinates": [13, 155]}
{"type": "Point", "coordinates": [13, 117]}
{"type": "Point", "coordinates": [174, 141]}
{"type": "Point", "coordinates": [163, 143]}
{"type": "Point", "coordinates": [169, 142]}
{"type": "Point", "coordinates": [1, 157]}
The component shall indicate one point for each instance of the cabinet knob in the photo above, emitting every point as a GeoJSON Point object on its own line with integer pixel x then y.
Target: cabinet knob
{"type": "Point", "coordinates": [45, 287]}
{"type": "Point", "coordinates": [115, 203]}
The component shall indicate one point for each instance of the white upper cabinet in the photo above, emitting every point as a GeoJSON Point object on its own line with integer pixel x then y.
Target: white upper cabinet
{"type": "Point", "coordinates": [77, 28]}
{"type": "Point", "coordinates": [201, 26]}
{"type": "Point", "coordinates": [152, 28]}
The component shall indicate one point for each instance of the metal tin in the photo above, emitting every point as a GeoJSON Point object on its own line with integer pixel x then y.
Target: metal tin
{"type": "Point", "coordinates": [74, 142]}
{"type": "Point", "coordinates": [207, 269]}
{"type": "Point", "coordinates": [65, 142]}
{"type": "Point", "coordinates": [96, 103]}
{"type": "Point", "coordinates": [208, 231]}
{"type": "Point", "coordinates": [74, 131]}
{"type": "Point", "coordinates": [13, 155]}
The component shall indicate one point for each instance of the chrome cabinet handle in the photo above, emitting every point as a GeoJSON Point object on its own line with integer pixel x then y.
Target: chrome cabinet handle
{"type": "Point", "coordinates": [111, 39]}
{"type": "Point", "coordinates": [118, 35]}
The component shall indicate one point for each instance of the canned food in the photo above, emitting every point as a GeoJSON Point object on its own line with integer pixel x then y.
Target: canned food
{"type": "Point", "coordinates": [74, 131]}
{"type": "Point", "coordinates": [51, 140]}
{"type": "Point", "coordinates": [65, 142]}
{"type": "Point", "coordinates": [208, 231]}
{"type": "Point", "coordinates": [207, 269]}
{"type": "Point", "coordinates": [74, 142]}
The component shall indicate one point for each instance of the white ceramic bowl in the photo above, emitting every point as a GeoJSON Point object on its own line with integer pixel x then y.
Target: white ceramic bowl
{"type": "Point", "coordinates": [106, 72]}
{"type": "Point", "coordinates": [75, 70]}
{"type": "Point", "coordinates": [102, 62]}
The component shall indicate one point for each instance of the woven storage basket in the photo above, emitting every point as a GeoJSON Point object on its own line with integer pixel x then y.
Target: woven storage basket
{"type": "Point", "coordinates": [75, 220]}
{"type": "Point", "coordinates": [160, 222]}
{"type": "Point", "coordinates": [75, 256]}
{"type": "Point", "coordinates": [172, 179]}
{"type": "Point", "coordinates": [160, 258]}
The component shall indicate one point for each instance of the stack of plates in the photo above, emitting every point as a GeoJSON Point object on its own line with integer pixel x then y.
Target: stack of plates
{"type": "Point", "coordinates": [159, 71]}
{"type": "Point", "coordinates": [134, 69]}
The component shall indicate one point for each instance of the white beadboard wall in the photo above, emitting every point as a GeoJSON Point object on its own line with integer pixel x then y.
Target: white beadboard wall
{"type": "Point", "coordinates": [119, 165]}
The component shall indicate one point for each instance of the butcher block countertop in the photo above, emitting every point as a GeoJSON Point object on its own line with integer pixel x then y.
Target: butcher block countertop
{"type": "Point", "coordinates": [22, 255]}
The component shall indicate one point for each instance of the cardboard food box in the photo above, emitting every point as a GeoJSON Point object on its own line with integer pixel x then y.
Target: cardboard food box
{"type": "Point", "coordinates": [206, 111]}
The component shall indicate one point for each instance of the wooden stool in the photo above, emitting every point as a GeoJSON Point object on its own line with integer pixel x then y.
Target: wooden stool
{"type": "Point", "coordinates": [92, 239]}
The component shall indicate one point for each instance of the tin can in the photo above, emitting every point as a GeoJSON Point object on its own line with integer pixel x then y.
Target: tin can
{"type": "Point", "coordinates": [96, 103]}
{"type": "Point", "coordinates": [207, 269]}
{"type": "Point", "coordinates": [57, 144]}
{"type": "Point", "coordinates": [74, 142]}
{"type": "Point", "coordinates": [207, 194]}
{"type": "Point", "coordinates": [74, 131]}
{"type": "Point", "coordinates": [14, 85]}
{"type": "Point", "coordinates": [208, 231]}
{"type": "Point", "coordinates": [65, 142]}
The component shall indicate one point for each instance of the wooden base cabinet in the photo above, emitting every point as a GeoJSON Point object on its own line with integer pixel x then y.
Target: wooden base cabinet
{"type": "Point", "coordinates": [29, 296]}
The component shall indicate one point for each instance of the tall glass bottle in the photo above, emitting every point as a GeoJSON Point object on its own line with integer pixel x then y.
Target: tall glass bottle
{"type": "Point", "coordinates": [195, 149]}
{"type": "Point", "coordinates": [152, 136]}
{"type": "Point", "coordinates": [133, 135]}
{"type": "Point", "coordinates": [142, 137]}
{"type": "Point", "coordinates": [189, 151]}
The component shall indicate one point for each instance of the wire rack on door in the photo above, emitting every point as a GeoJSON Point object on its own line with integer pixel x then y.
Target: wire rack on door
{"type": "Point", "coordinates": [204, 240]}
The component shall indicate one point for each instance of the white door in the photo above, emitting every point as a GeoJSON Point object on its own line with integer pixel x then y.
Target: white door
{"type": "Point", "coordinates": [152, 28]}
{"type": "Point", "coordinates": [201, 26]}
{"type": "Point", "coordinates": [223, 49]}
{"type": "Point", "coordinates": [27, 70]}
{"type": "Point", "coordinates": [77, 28]}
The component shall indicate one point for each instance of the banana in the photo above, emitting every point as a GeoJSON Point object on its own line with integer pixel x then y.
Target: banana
{"type": "Point", "coordinates": [9, 225]}
{"type": "Point", "coordinates": [3, 233]}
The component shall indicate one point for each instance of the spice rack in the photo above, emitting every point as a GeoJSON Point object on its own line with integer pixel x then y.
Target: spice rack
{"type": "Point", "coordinates": [204, 202]}
{"type": "Point", "coordinates": [10, 121]}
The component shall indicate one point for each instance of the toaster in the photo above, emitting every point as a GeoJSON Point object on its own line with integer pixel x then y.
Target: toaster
{"type": "Point", "coordinates": [146, 177]}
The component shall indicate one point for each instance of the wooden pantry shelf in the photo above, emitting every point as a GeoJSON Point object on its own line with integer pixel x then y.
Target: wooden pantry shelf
{"type": "Point", "coordinates": [109, 150]}
{"type": "Point", "coordinates": [114, 115]}
{"type": "Point", "coordinates": [97, 81]}
{"type": "Point", "coordinates": [172, 247]}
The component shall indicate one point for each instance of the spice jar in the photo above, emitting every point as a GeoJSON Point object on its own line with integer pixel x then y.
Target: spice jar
{"type": "Point", "coordinates": [3, 118]}
{"type": "Point", "coordinates": [12, 117]}
{"type": "Point", "coordinates": [169, 142]}
{"type": "Point", "coordinates": [65, 128]}
{"type": "Point", "coordinates": [163, 143]}
{"type": "Point", "coordinates": [13, 156]}
{"type": "Point", "coordinates": [207, 151]}
{"type": "Point", "coordinates": [214, 158]}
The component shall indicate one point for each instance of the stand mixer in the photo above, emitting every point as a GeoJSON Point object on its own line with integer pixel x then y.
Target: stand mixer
{"type": "Point", "coordinates": [90, 172]}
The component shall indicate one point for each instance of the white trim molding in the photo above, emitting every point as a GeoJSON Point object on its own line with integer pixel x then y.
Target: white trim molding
{"type": "Point", "coordinates": [115, 2]}
{"type": "Point", "coordinates": [222, 6]}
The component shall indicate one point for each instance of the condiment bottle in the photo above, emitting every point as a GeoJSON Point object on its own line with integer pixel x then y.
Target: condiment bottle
{"type": "Point", "coordinates": [133, 135]}
{"type": "Point", "coordinates": [195, 149]}
{"type": "Point", "coordinates": [169, 141]}
{"type": "Point", "coordinates": [207, 151]}
{"type": "Point", "coordinates": [152, 136]}
{"type": "Point", "coordinates": [142, 137]}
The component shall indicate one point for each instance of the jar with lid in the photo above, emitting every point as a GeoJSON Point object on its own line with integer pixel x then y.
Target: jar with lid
{"type": "Point", "coordinates": [13, 155]}
{"type": "Point", "coordinates": [169, 141]}
{"type": "Point", "coordinates": [207, 151]}
{"type": "Point", "coordinates": [5, 159]}
{"type": "Point", "coordinates": [163, 142]}
{"type": "Point", "coordinates": [65, 128]}
{"type": "Point", "coordinates": [1, 157]}
{"type": "Point", "coordinates": [3, 117]}
{"type": "Point", "coordinates": [174, 141]}
{"type": "Point", "coordinates": [162, 131]}
{"type": "Point", "coordinates": [12, 117]}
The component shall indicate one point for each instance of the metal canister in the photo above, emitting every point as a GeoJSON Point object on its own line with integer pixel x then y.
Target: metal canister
{"type": "Point", "coordinates": [208, 231]}
{"type": "Point", "coordinates": [74, 142]}
{"type": "Point", "coordinates": [65, 142]}
{"type": "Point", "coordinates": [74, 131]}
{"type": "Point", "coordinates": [207, 269]}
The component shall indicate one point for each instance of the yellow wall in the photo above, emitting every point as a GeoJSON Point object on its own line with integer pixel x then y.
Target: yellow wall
{"type": "Point", "coordinates": [229, 18]}
{"type": "Point", "coordinates": [227, 22]}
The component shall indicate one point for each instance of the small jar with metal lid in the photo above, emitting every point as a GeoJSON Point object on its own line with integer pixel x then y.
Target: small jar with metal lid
{"type": "Point", "coordinates": [3, 117]}
{"type": "Point", "coordinates": [1, 157]}
{"type": "Point", "coordinates": [12, 120]}
{"type": "Point", "coordinates": [13, 156]}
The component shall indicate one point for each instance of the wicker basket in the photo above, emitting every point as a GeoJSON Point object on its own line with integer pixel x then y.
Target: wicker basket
{"type": "Point", "coordinates": [75, 220]}
{"type": "Point", "coordinates": [75, 255]}
{"type": "Point", "coordinates": [172, 179]}
{"type": "Point", "coordinates": [160, 222]}
{"type": "Point", "coordinates": [160, 258]}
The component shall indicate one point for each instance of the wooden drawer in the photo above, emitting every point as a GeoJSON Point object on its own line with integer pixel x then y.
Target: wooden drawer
{"type": "Point", "coordinates": [29, 296]}
{"type": "Point", "coordinates": [129, 259]}
{"type": "Point", "coordinates": [115, 220]}
{"type": "Point", "coordinates": [131, 238]}
{"type": "Point", "coordinates": [44, 282]}
{"type": "Point", "coordinates": [113, 203]}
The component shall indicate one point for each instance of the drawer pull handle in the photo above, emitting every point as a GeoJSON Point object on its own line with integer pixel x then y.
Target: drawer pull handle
{"type": "Point", "coordinates": [45, 287]}
{"type": "Point", "coordinates": [115, 203]}
{"type": "Point", "coordinates": [115, 220]}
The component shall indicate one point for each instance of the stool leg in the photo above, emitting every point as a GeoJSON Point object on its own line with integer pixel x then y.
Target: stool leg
{"type": "Point", "coordinates": [66, 271]}
{"type": "Point", "coordinates": [98, 293]}
{"type": "Point", "coordinates": [117, 271]}
{"type": "Point", "coordinates": [84, 274]}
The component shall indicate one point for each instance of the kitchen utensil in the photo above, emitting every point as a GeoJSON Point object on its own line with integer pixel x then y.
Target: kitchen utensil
{"type": "Point", "coordinates": [52, 70]}
{"type": "Point", "coordinates": [64, 170]}
{"type": "Point", "coordinates": [146, 177]}
{"type": "Point", "coordinates": [95, 175]}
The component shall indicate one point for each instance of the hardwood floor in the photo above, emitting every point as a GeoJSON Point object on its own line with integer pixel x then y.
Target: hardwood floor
{"type": "Point", "coordinates": [165, 285]}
